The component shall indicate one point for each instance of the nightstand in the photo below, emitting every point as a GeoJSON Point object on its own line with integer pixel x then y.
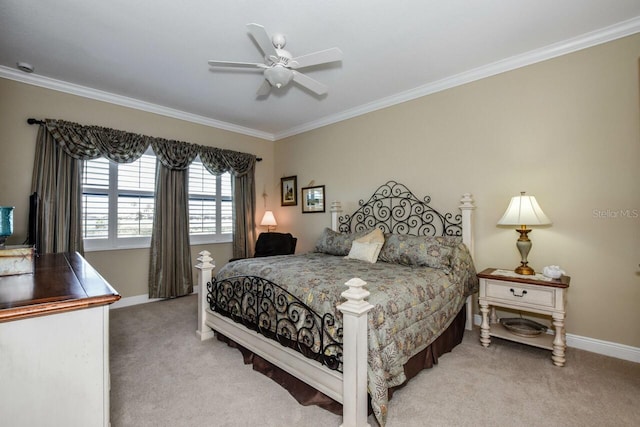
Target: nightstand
{"type": "Point", "coordinates": [535, 294]}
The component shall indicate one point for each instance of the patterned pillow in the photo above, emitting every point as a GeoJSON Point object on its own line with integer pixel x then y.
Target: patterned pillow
{"type": "Point", "coordinates": [422, 251]}
{"type": "Point", "coordinates": [334, 243]}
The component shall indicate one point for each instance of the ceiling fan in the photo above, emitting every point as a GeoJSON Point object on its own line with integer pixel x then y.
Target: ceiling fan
{"type": "Point", "coordinates": [279, 66]}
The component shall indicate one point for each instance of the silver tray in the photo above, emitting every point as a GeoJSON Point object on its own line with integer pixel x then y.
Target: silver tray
{"type": "Point", "coordinates": [523, 327]}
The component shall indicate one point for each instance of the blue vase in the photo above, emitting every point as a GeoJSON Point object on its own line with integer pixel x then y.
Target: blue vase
{"type": "Point", "coordinates": [6, 223]}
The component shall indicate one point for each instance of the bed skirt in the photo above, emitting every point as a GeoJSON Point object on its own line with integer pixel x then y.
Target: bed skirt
{"type": "Point", "coordinates": [307, 395]}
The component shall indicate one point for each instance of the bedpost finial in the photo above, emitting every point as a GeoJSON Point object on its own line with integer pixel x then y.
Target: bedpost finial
{"type": "Point", "coordinates": [466, 201]}
{"type": "Point", "coordinates": [336, 206]}
{"type": "Point", "coordinates": [355, 296]}
{"type": "Point", "coordinates": [205, 261]}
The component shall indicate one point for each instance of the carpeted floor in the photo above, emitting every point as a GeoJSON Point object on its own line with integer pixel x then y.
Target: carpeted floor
{"type": "Point", "coordinates": [162, 375]}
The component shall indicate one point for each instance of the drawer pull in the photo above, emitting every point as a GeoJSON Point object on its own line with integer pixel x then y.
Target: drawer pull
{"type": "Point", "coordinates": [524, 292]}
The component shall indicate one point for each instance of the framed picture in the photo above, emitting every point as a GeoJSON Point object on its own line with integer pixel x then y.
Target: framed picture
{"type": "Point", "coordinates": [313, 199]}
{"type": "Point", "coordinates": [288, 191]}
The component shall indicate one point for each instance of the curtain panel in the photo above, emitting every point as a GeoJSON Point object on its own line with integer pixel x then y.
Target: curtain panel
{"type": "Point", "coordinates": [242, 167]}
{"type": "Point", "coordinates": [61, 148]}
{"type": "Point", "coordinates": [170, 261]}
{"type": "Point", "coordinates": [244, 235]}
{"type": "Point", "coordinates": [170, 273]}
{"type": "Point", "coordinates": [56, 179]}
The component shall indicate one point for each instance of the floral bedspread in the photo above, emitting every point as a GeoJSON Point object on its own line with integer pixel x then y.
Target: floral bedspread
{"type": "Point", "coordinates": [412, 305]}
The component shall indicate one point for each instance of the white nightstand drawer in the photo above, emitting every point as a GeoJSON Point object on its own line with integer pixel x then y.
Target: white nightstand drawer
{"type": "Point", "coordinates": [520, 294]}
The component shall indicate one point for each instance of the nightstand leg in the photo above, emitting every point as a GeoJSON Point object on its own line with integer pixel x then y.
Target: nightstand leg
{"type": "Point", "coordinates": [559, 342]}
{"type": "Point", "coordinates": [493, 317]}
{"type": "Point", "coordinates": [485, 338]}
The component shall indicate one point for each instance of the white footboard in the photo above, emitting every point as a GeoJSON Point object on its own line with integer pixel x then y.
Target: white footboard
{"type": "Point", "coordinates": [348, 388]}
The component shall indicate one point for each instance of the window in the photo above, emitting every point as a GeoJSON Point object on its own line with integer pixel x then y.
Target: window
{"type": "Point", "coordinates": [118, 203]}
{"type": "Point", "coordinates": [210, 217]}
{"type": "Point", "coordinates": [136, 187]}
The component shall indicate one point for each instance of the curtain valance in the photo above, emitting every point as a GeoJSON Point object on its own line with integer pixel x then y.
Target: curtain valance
{"type": "Point", "coordinates": [217, 161]}
{"type": "Point", "coordinates": [174, 155]}
{"type": "Point", "coordinates": [90, 142]}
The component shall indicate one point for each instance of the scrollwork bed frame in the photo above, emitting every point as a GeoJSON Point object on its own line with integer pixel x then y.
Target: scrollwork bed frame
{"type": "Point", "coordinates": [245, 306]}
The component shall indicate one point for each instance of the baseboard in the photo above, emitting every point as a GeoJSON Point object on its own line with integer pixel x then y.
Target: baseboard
{"type": "Point", "coordinates": [606, 348]}
{"type": "Point", "coordinates": [619, 351]}
{"type": "Point", "coordinates": [139, 299]}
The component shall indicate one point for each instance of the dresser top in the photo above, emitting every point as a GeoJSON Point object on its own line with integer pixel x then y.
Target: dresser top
{"type": "Point", "coordinates": [59, 282]}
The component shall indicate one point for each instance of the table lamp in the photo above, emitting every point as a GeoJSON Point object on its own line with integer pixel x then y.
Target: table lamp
{"type": "Point", "coordinates": [524, 211]}
{"type": "Point", "coordinates": [268, 220]}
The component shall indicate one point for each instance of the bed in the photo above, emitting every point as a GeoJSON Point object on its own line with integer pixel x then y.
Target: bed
{"type": "Point", "coordinates": [402, 297]}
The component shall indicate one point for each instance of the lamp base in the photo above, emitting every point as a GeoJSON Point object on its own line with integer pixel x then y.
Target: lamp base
{"type": "Point", "coordinates": [524, 270]}
{"type": "Point", "coordinates": [524, 246]}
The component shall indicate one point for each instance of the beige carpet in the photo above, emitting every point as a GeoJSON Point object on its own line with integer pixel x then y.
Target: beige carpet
{"type": "Point", "coordinates": [162, 375]}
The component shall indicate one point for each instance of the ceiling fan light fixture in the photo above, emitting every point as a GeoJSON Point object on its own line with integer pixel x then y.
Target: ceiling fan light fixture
{"type": "Point", "coordinates": [278, 76]}
{"type": "Point", "coordinates": [279, 66]}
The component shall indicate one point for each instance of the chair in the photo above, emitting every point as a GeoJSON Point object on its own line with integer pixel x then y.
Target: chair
{"type": "Point", "coordinates": [270, 244]}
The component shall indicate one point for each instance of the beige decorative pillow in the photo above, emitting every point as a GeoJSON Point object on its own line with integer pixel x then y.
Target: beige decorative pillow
{"type": "Point", "coordinates": [364, 251]}
{"type": "Point", "coordinates": [376, 236]}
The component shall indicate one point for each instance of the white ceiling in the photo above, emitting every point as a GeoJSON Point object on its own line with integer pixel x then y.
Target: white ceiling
{"type": "Point", "coordinates": [152, 54]}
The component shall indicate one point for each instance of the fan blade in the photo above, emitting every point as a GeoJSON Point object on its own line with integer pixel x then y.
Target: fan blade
{"type": "Point", "coordinates": [320, 57]}
{"type": "Point", "coordinates": [262, 38]}
{"type": "Point", "coordinates": [311, 84]}
{"type": "Point", "coordinates": [264, 89]}
{"type": "Point", "coordinates": [236, 64]}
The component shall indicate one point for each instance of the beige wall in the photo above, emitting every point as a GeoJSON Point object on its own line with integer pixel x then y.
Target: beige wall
{"type": "Point", "coordinates": [126, 270]}
{"type": "Point", "coordinates": [566, 130]}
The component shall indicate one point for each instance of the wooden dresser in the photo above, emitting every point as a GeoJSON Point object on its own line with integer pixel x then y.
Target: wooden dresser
{"type": "Point", "coordinates": [54, 344]}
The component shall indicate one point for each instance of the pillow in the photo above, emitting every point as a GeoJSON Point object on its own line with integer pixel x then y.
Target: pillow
{"type": "Point", "coordinates": [376, 236]}
{"type": "Point", "coordinates": [334, 243]}
{"type": "Point", "coordinates": [421, 251]}
{"type": "Point", "coordinates": [365, 251]}
{"type": "Point", "coordinates": [451, 241]}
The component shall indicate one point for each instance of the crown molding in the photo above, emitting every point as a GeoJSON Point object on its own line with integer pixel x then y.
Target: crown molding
{"type": "Point", "coordinates": [594, 38]}
{"type": "Point", "coordinates": [99, 95]}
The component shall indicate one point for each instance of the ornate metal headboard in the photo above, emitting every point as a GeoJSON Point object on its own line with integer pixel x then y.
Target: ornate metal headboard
{"type": "Point", "coordinates": [395, 209]}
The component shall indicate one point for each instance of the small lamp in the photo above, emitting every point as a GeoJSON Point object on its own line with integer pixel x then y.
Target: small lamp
{"type": "Point", "coordinates": [523, 211]}
{"type": "Point", "coordinates": [269, 220]}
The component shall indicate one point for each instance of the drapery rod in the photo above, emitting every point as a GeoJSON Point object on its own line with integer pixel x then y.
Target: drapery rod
{"type": "Point", "coordinates": [33, 121]}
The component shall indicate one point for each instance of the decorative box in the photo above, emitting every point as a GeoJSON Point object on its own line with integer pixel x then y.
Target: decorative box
{"type": "Point", "coordinates": [16, 260]}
